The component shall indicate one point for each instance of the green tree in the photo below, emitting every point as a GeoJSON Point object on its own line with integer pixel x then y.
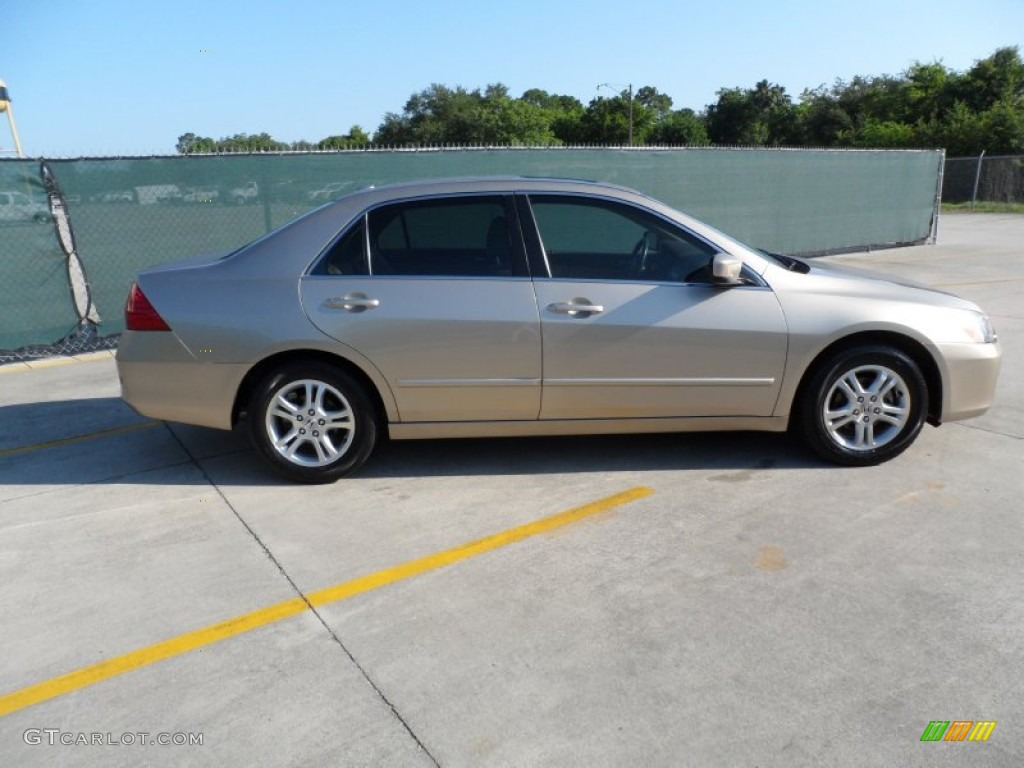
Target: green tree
{"type": "Point", "coordinates": [929, 93]}
{"type": "Point", "coordinates": [680, 128]}
{"type": "Point", "coordinates": [356, 137]}
{"type": "Point", "coordinates": [507, 121]}
{"type": "Point", "coordinates": [435, 115]}
{"type": "Point", "coordinates": [759, 116]}
{"type": "Point", "coordinates": [730, 119]}
{"type": "Point", "coordinates": [883, 134]}
{"type": "Point", "coordinates": [928, 105]}
{"type": "Point", "coordinates": [1003, 127]}
{"type": "Point", "coordinates": [441, 115]}
{"type": "Point", "coordinates": [189, 143]}
{"type": "Point", "coordinates": [244, 142]}
{"type": "Point", "coordinates": [880, 98]}
{"type": "Point", "coordinates": [606, 120]}
{"type": "Point", "coordinates": [961, 132]}
{"type": "Point", "coordinates": [563, 114]}
{"type": "Point", "coordinates": [658, 103]}
{"type": "Point", "coordinates": [821, 119]}
{"type": "Point", "coordinates": [999, 77]}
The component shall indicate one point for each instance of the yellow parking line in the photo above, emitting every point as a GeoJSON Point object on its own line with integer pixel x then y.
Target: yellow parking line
{"type": "Point", "coordinates": [78, 438]}
{"type": "Point", "coordinates": [80, 678]}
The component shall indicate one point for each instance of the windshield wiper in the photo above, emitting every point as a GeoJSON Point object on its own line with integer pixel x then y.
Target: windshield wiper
{"type": "Point", "coordinates": [787, 262]}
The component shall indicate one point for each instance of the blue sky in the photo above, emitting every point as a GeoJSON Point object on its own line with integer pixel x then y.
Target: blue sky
{"type": "Point", "coordinates": [117, 77]}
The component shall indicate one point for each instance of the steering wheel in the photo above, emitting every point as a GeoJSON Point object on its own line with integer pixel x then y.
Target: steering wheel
{"type": "Point", "coordinates": [638, 258]}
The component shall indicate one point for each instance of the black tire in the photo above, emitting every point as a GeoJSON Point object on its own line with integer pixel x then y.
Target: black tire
{"type": "Point", "coordinates": [862, 431]}
{"type": "Point", "coordinates": [309, 398]}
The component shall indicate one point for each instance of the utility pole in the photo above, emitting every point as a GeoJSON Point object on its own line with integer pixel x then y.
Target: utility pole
{"type": "Point", "coordinates": [631, 114]}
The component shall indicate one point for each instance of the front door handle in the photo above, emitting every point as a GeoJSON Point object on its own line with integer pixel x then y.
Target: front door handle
{"type": "Point", "coordinates": [576, 308]}
{"type": "Point", "coordinates": [353, 302]}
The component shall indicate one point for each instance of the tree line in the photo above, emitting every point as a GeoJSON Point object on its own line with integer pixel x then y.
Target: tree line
{"type": "Point", "coordinates": [928, 105]}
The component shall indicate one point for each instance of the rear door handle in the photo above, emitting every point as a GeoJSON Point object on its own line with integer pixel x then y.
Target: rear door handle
{"type": "Point", "coordinates": [353, 302]}
{"type": "Point", "coordinates": [576, 308]}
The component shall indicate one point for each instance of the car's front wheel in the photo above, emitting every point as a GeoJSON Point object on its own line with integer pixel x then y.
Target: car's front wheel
{"type": "Point", "coordinates": [863, 406]}
{"type": "Point", "coordinates": [312, 422]}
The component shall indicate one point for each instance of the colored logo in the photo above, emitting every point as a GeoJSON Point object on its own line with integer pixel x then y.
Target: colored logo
{"type": "Point", "coordinates": [958, 730]}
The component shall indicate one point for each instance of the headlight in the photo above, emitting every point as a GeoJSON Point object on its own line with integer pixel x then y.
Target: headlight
{"type": "Point", "coordinates": [978, 328]}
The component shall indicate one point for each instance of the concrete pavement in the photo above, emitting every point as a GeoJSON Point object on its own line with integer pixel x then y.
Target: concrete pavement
{"type": "Point", "coordinates": [758, 608]}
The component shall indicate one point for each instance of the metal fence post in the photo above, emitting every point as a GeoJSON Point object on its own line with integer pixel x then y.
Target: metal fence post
{"type": "Point", "coordinates": [268, 223]}
{"type": "Point", "coordinates": [977, 178]}
{"type": "Point", "coordinates": [933, 234]}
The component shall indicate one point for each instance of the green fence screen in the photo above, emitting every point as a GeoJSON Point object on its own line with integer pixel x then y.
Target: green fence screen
{"type": "Point", "coordinates": [131, 213]}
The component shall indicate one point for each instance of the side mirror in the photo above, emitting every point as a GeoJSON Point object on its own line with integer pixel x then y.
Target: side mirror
{"type": "Point", "coordinates": [725, 269]}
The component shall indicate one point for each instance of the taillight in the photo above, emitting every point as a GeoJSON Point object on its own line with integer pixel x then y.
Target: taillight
{"type": "Point", "coordinates": [140, 315]}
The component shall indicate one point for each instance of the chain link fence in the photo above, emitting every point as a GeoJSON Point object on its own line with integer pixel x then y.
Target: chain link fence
{"type": "Point", "coordinates": [74, 233]}
{"type": "Point", "coordinates": [998, 179]}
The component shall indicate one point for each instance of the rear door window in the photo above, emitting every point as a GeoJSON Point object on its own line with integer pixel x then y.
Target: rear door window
{"type": "Point", "coordinates": [473, 236]}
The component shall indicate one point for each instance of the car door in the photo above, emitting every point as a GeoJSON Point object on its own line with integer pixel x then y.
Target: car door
{"type": "Point", "coordinates": [436, 294]}
{"type": "Point", "coordinates": [633, 327]}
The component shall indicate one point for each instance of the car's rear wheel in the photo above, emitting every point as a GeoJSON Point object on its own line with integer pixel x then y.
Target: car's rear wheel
{"type": "Point", "coordinates": [863, 406]}
{"type": "Point", "coordinates": [312, 422]}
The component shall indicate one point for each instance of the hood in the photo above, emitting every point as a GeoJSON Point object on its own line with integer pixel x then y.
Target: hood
{"type": "Point", "coordinates": [841, 280]}
{"type": "Point", "coordinates": [831, 268]}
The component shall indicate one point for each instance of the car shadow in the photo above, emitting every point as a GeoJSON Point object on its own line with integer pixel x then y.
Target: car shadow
{"type": "Point", "coordinates": [591, 453]}
{"type": "Point", "coordinates": [101, 440]}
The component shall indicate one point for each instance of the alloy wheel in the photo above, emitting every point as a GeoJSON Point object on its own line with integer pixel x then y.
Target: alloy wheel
{"type": "Point", "coordinates": [866, 408]}
{"type": "Point", "coordinates": [310, 423]}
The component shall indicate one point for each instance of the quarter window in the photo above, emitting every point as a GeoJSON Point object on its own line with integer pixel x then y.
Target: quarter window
{"type": "Point", "coordinates": [603, 240]}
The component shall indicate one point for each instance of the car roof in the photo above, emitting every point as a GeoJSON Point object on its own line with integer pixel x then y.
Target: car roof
{"type": "Point", "coordinates": [442, 186]}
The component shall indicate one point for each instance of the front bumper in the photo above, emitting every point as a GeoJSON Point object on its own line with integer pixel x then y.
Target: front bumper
{"type": "Point", "coordinates": [969, 380]}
